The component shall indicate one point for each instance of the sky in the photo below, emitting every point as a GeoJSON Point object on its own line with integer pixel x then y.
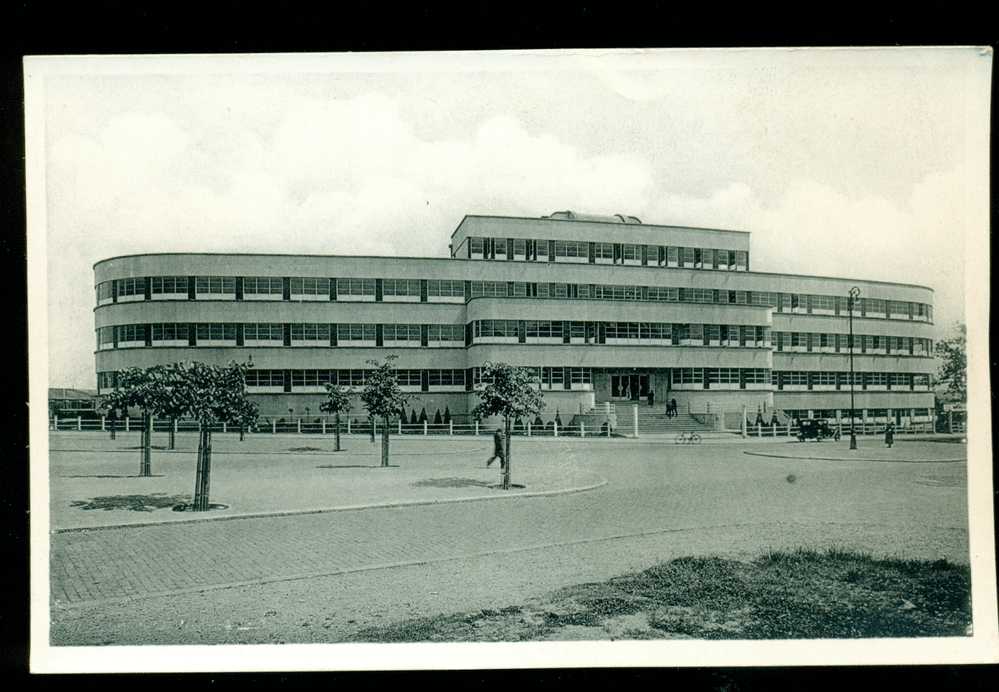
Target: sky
{"type": "Point", "coordinates": [853, 163]}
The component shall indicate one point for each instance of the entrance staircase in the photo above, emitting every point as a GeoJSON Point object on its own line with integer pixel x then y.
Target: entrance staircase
{"type": "Point", "coordinates": [652, 420]}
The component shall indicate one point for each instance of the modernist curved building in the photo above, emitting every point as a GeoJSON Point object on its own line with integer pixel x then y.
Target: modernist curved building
{"type": "Point", "coordinates": [606, 308]}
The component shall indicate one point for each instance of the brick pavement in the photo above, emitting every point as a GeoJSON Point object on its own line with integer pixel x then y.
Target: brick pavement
{"type": "Point", "coordinates": [695, 489]}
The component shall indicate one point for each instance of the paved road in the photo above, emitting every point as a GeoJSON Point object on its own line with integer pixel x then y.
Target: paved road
{"type": "Point", "coordinates": [377, 565]}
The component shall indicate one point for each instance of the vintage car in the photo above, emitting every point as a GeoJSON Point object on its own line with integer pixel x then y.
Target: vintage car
{"type": "Point", "coordinates": [816, 430]}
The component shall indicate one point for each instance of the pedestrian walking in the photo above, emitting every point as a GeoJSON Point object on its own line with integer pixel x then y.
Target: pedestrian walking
{"type": "Point", "coordinates": [672, 407]}
{"type": "Point", "coordinates": [889, 435]}
{"type": "Point", "coordinates": [499, 449]}
{"type": "Point", "coordinates": [652, 398]}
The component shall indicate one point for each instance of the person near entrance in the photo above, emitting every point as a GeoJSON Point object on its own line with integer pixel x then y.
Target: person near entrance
{"type": "Point", "coordinates": [672, 408]}
{"type": "Point", "coordinates": [889, 435]}
{"type": "Point", "coordinates": [499, 450]}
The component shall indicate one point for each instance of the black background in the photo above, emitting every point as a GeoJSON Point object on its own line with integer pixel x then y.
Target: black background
{"type": "Point", "coordinates": [50, 28]}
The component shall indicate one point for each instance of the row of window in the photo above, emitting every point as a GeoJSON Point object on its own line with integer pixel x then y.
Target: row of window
{"type": "Point", "coordinates": [870, 414]}
{"type": "Point", "coordinates": [800, 380]}
{"type": "Point", "coordinates": [634, 254]}
{"type": "Point", "coordinates": [805, 342]}
{"type": "Point", "coordinates": [456, 290]}
{"type": "Point", "coordinates": [619, 333]}
{"type": "Point", "coordinates": [279, 334]}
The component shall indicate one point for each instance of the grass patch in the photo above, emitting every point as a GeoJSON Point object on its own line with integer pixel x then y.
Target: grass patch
{"type": "Point", "coordinates": [809, 594]}
{"type": "Point", "coordinates": [451, 483]}
{"type": "Point", "coordinates": [132, 503]}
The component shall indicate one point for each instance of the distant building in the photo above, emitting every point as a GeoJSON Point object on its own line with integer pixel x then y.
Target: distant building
{"type": "Point", "coordinates": [603, 308]}
{"type": "Point", "coordinates": [72, 402]}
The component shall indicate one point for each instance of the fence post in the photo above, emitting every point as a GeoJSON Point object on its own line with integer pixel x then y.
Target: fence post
{"type": "Point", "coordinates": [400, 426]}
{"type": "Point", "coordinates": [476, 427]}
{"type": "Point", "coordinates": [634, 418]}
{"type": "Point", "coordinates": [374, 426]}
{"type": "Point", "coordinates": [950, 422]}
{"type": "Point", "coordinates": [225, 429]}
{"type": "Point", "coordinates": [742, 426]}
{"type": "Point", "coordinates": [424, 427]}
{"type": "Point", "coordinates": [126, 424]}
{"type": "Point", "coordinates": [348, 425]}
{"type": "Point", "coordinates": [55, 422]}
{"type": "Point", "coordinates": [528, 428]}
{"type": "Point", "coordinates": [324, 426]}
{"type": "Point", "coordinates": [774, 426]}
{"type": "Point", "coordinates": [273, 426]}
{"type": "Point", "coordinates": [450, 427]}
{"type": "Point", "coordinates": [582, 429]}
{"type": "Point", "coordinates": [79, 423]}
{"type": "Point", "coordinates": [299, 425]}
{"type": "Point", "coordinates": [102, 423]}
{"type": "Point", "coordinates": [175, 425]}
{"type": "Point", "coordinates": [555, 426]}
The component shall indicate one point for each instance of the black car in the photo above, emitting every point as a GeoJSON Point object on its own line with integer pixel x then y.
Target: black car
{"type": "Point", "coordinates": [816, 430]}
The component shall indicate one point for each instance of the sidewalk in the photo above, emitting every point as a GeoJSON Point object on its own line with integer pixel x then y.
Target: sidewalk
{"type": "Point", "coordinates": [268, 476]}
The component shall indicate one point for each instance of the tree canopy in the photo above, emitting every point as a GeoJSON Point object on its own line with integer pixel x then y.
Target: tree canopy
{"type": "Point", "coordinates": [508, 391]}
{"type": "Point", "coordinates": [382, 395]}
{"type": "Point", "coordinates": [954, 363]}
{"type": "Point", "coordinates": [337, 399]}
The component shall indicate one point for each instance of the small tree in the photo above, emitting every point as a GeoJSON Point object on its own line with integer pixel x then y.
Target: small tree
{"type": "Point", "coordinates": [139, 388]}
{"type": "Point", "coordinates": [509, 392]}
{"type": "Point", "coordinates": [211, 394]}
{"type": "Point", "coordinates": [246, 416]}
{"type": "Point", "coordinates": [337, 402]}
{"type": "Point", "coordinates": [447, 415]}
{"type": "Point", "coordinates": [954, 366]}
{"type": "Point", "coordinates": [423, 415]}
{"type": "Point", "coordinates": [412, 418]}
{"type": "Point", "coordinates": [383, 397]}
{"type": "Point", "coordinates": [437, 417]}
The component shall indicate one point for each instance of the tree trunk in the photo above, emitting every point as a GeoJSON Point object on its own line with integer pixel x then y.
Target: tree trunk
{"type": "Point", "coordinates": [506, 468]}
{"type": "Point", "coordinates": [112, 428]}
{"type": "Point", "coordinates": [201, 468]}
{"type": "Point", "coordinates": [202, 481]}
{"type": "Point", "coordinates": [242, 431]}
{"type": "Point", "coordinates": [385, 441]}
{"type": "Point", "coordinates": [145, 467]}
{"type": "Point", "coordinates": [336, 432]}
{"type": "Point", "coordinates": [173, 434]}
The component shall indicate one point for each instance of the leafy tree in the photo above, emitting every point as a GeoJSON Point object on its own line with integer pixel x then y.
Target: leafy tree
{"type": "Point", "coordinates": [337, 402]}
{"type": "Point", "coordinates": [954, 366]}
{"type": "Point", "coordinates": [383, 397]}
{"type": "Point", "coordinates": [140, 388]}
{"type": "Point", "coordinates": [509, 392]}
{"type": "Point", "coordinates": [211, 394]}
{"type": "Point", "coordinates": [246, 417]}
{"type": "Point", "coordinates": [437, 417]}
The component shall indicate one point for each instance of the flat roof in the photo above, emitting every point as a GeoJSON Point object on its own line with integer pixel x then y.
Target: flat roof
{"type": "Point", "coordinates": [465, 259]}
{"type": "Point", "coordinates": [617, 224]}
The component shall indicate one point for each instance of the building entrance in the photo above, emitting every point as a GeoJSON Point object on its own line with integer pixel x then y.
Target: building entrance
{"type": "Point", "coordinates": [629, 387]}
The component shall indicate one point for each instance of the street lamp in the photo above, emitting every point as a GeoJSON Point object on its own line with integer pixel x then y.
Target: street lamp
{"type": "Point", "coordinates": [854, 294]}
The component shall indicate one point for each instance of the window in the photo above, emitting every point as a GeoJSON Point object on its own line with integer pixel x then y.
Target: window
{"type": "Point", "coordinates": [662, 294]}
{"type": "Point", "coordinates": [824, 379]}
{"type": "Point", "coordinates": [898, 309]}
{"type": "Point", "coordinates": [713, 334]}
{"type": "Point", "coordinates": [553, 378]}
{"type": "Point", "coordinates": [355, 288]}
{"type": "Point", "coordinates": [264, 378]}
{"type": "Point", "coordinates": [621, 331]}
{"type": "Point", "coordinates": [580, 376]}
{"type": "Point", "coordinates": [270, 331]}
{"type": "Point", "coordinates": [898, 380]}
{"type": "Point", "coordinates": [873, 307]}
{"type": "Point", "coordinates": [131, 334]}
{"type": "Point", "coordinates": [263, 286]}
{"type": "Point", "coordinates": [446, 288]}
{"type": "Point", "coordinates": [409, 333]}
{"type": "Point", "coordinates": [496, 328]}
{"type": "Point", "coordinates": [216, 332]}
{"type": "Point", "coordinates": [519, 248]}
{"type": "Point", "coordinates": [347, 333]}
{"type": "Point", "coordinates": [570, 249]}
{"type": "Point", "coordinates": [631, 254]}
{"type": "Point", "coordinates": [477, 247]}
{"type": "Point", "coordinates": [723, 377]}
{"type": "Point", "coordinates": [351, 378]}
{"type": "Point", "coordinates": [877, 379]}
{"type": "Point", "coordinates": [446, 378]}
{"type": "Point", "coordinates": [408, 378]}
{"type": "Point", "coordinates": [756, 376]}
{"type": "Point", "coordinates": [446, 332]}
{"type": "Point", "coordinates": [920, 312]}
{"type": "Point", "coordinates": [400, 287]}
{"type": "Point", "coordinates": [170, 332]}
{"type": "Point", "coordinates": [105, 292]}
{"type": "Point", "coordinates": [741, 260]}
{"type": "Point", "coordinates": [543, 249]}
{"type": "Point", "coordinates": [489, 289]}
{"type": "Point", "coordinates": [215, 285]}
{"type": "Point", "coordinates": [519, 289]}
{"type": "Point", "coordinates": [688, 376]}
{"type": "Point", "coordinates": [309, 287]}
{"type": "Point", "coordinates": [795, 379]}
{"type": "Point", "coordinates": [168, 285]}
{"type": "Point", "coordinates": [543, 329]}
{"type": "Point", "coordinates": [106, 380]}
{"type": "Point", "coordinates": [722, 258]}
{"type": "Point", "coordinates": [105, 337]}
{"type": "Point", "coordinates": [921, 381]}
{"type": "Point", "coordinates": [688, 256]}
{"type": "Point", "coordinates": [310, 378]}
{"type": "Point", "coordinates": [311, 333]}
{"type": "Point", "coordinates": [823, 305]}
{"type": "Point", "coordinates": [603, 252]}
{"type": "Point", "coordinates": [131, 289]}
{"type": "Point", "coordinates": [672, 256]}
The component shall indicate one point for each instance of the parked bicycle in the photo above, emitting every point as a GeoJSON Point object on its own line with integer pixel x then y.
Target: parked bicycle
{"type": "Point", "coordinates": [685, 438]}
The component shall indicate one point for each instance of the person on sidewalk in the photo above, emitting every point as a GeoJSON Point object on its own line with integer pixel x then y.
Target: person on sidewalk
{"type": "Point", "coordinates": [889, 435]}
{"type": "Point", "coordinates": [652, 398]}
{"type": "Point", "coordinates": [499, 450]}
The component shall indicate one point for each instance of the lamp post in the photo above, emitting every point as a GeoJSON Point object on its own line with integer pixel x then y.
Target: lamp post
{"type": "Point", "coordinates": [854, 293]}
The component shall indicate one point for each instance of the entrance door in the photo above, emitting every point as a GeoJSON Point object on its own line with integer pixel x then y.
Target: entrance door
{"type": "Point", "coordinates": [629, 387]}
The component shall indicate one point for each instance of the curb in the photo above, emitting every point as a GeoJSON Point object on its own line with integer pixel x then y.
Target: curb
{"type": "Point", "coordinates": [329, 510]}
{"type": "Point", "coordinates": [887, 461]}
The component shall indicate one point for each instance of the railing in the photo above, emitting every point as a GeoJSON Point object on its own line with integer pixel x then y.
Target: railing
{"type": "Point", "coordinates": [791, 430]}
